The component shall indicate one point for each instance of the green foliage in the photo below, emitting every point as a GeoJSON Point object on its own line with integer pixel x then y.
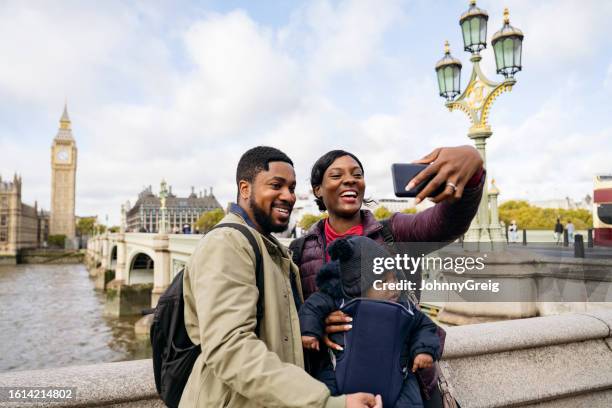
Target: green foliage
{"type": "Point", "coordinates": [531, 217]}
{"type": "Point", "coordinates": [85, 225]}
{"type": "Point", "coordinates": [408, 211]}
{"type": "Point", "coordinates": [308, 220]}
{"type": "Point", "coordinates": [58, 241]}
{"type": "Point", "coordinates": [209, 219]}
{"type": "Point", "coordinates": [382, 213]}
{"type": "Point", "coordinates": [114, 228]}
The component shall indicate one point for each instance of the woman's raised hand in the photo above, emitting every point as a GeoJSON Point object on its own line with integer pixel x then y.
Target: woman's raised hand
{"type": "Point", "coordinates": [453, 166]}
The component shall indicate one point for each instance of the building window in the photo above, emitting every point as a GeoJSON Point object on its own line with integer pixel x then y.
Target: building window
{"type": "Point", "coordinates": [2, 236]}
{"type": "Point", "coordinates": [2, 220]}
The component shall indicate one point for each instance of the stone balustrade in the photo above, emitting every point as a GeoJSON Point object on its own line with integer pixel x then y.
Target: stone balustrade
{"type": "Point", "coordinates": [553, 361]}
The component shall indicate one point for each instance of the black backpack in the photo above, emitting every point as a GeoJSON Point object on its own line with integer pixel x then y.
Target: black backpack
{"type": "Point", "coordinates": [173, 352]}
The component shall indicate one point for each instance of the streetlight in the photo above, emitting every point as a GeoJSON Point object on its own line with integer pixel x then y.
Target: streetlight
{"type": "Point", "coordinates": [477, 99]}
{"type": "Point", "coordinates": [449, 75]}
{"type": "Point", "coordinates": [508, 45]}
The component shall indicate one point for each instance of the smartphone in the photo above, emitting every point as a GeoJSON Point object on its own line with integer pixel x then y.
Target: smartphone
{"type": "Point", "coordinates": [403, 173]}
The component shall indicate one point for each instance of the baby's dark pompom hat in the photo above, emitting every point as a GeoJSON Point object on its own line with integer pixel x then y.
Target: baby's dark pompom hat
{"type": "Point", "coordinates": [356, 254]}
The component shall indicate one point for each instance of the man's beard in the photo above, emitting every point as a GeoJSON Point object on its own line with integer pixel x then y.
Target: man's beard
{"type": "Point", "coordinates": [264, 220]}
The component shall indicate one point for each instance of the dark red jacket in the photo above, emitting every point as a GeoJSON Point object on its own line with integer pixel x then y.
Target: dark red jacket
{"type": "Point", "coordinates": [444, 222]}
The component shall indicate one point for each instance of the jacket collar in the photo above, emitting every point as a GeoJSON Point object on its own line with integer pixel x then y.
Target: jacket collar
{"type": "Point", "coordinates": [239, 211]}
{"type": "Point", "coordinates": [269, 240]}
{"type": "Point", "coordinates": [370, 226]}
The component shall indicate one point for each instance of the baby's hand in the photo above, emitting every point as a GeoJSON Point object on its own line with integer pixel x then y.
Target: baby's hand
{"type": "Point", "coordinates": [310, 343]}
{"type": "Point", "coordinates": [422, 360]}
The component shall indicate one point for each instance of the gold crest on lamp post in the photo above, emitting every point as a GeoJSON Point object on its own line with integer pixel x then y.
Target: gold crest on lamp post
{"type": "Point", "coordinates": [476, 101]}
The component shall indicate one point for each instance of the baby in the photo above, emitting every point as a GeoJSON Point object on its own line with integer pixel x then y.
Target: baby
{"type": "Point", "coordinates": [348, 276]}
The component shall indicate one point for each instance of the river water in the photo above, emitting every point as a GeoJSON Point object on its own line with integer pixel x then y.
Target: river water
{"type": "Point", "coordinates": [51, 316]}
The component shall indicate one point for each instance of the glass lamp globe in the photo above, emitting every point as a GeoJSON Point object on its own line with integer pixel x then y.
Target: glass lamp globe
{"type": "Point", "coordinates": [448, 70]}
{"type": "Point", "coordinates": [474, 28]}
{"type": "Point", "coordinates": [508, 46]}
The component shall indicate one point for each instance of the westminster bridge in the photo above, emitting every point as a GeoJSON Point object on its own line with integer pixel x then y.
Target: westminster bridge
{"type": "Point", "coordinates": [135, 268]}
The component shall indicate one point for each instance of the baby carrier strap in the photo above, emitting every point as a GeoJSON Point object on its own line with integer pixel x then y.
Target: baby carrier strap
{"type": "Point", "coordinates": [371, 361]}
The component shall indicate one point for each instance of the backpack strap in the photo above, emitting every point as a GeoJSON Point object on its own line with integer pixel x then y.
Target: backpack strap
{"type": "Point", "coordinates": [259, 276]}
{"type": "Point", "coordinates": [297, 247]}
{"type": "Point", "coordinates": [386, 232]}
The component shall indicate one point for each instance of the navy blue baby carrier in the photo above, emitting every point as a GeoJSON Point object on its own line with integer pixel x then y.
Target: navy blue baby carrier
{"type": "Point", "coordinates": [371, 362]}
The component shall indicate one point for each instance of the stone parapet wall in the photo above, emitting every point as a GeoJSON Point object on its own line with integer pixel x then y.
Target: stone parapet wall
{"type": "Point", "coordinates": [553, 361]}
{"type": "Point", "coordinates": [563, 360]}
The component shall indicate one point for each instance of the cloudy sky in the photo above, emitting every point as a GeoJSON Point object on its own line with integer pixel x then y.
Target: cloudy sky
{"type": "Point", "coordinates": [178, 90]}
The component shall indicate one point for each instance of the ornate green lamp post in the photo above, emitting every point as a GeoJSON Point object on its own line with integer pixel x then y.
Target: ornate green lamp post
{"type": "Point", "coordinates": [476, 101]}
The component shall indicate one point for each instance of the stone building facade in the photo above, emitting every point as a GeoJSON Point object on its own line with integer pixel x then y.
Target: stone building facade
{"type": "Point", "coordinates": [21, 226]}
{"type": "Point", "coordinates": [144, 216]}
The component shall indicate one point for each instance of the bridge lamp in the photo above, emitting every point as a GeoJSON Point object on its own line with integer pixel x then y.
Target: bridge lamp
{"type": "Point", "coordinates": [508, 45]}
{"type": "Point", "coordinates": [474, 28]}
{"type": "Point", "coordinates": [448, 70]}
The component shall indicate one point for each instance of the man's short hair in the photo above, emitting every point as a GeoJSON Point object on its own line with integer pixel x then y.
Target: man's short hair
{"type": "Point", "coordinates": [256, 160]}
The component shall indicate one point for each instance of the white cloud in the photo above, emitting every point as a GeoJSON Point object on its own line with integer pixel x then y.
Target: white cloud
{"type": "Point", "coordinates": [556, 32]}
{"type": "Point", "coordinates": [83, 53]}
{"type": "Point", "coordinates": [240, 79]}
{"type": "Point", "coordinates": [549, 155]}
{"type": "Point", "coordinates": [342, 38]}
{"type": "Point", "coordinates": [155, 94]}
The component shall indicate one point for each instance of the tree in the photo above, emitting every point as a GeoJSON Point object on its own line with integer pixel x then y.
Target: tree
{"type": "Point", "coordinates": [308, 220]}
{"type": "Point", "coordinates": [209, 219]}
{"type": "Point", "coordinates": [85, 226]}
{"type": "Point", "coordinates": [532, 217]}
{"type": "Point", "coordinates": [382, 213]}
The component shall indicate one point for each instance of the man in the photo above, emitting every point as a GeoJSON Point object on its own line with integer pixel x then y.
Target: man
{"type": "Point", "coordinates": [236, 368]}
{"type": "Point", "coordinates": [558, 232]}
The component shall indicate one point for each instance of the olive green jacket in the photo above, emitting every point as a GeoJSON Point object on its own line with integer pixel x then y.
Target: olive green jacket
{"type": "Point", "coordinates": [236, 368]}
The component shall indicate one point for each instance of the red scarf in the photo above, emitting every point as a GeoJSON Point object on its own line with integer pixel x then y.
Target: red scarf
{"type": "Point", "coordinates": [331, 235]}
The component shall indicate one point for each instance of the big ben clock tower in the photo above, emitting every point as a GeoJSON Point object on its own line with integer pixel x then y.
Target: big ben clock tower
{"type": "Point", "coordinates": [63, 180]}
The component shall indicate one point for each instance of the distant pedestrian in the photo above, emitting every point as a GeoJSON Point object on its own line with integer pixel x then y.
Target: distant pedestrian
{"type": "Point", "coordinates": [558, 232]}
{"type": "Point", "coordinates": [513, 231]}
{"type": "Point", "coordinates": [570, 231]}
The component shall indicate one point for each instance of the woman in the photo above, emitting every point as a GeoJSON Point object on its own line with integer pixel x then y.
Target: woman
{"type": "Point", "coordinates": [338, 183]}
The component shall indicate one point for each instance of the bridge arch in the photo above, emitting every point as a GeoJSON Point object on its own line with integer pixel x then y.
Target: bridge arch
{"type": "Point", "coordinates": [141, 266]}
{"type": "Point", "coordinates": [113, 257]}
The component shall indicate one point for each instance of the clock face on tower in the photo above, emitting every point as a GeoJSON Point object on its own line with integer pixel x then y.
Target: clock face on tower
{"type": "Point", "coordinates": [62, 155]}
